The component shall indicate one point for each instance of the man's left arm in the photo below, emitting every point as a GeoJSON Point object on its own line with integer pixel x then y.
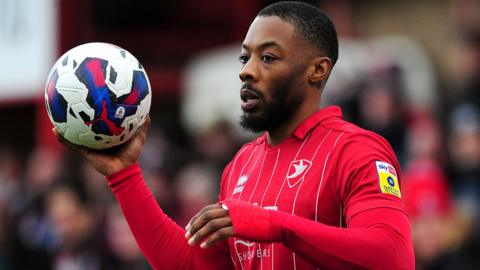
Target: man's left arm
{"type": "Point", "coordinates": [378, 238]}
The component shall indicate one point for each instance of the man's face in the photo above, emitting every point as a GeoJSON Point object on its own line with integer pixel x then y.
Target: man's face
{"type": "Point", "coordinates": [273, 74]}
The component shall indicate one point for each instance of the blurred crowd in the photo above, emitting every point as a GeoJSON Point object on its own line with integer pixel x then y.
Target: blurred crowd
{"type": "Point", "coordinates": [56, 212]}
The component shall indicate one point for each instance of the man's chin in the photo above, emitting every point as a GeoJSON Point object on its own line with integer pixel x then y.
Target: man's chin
{"type": "Point", "coordinates": [253, 122]}
{"type": "Point", "coordinates": [252, 116]}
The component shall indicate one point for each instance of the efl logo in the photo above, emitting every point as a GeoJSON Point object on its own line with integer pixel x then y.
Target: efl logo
{"type": "Point", "coordinates": [120, 112]}
{"type": "Point", "coordinates": [387, 179]}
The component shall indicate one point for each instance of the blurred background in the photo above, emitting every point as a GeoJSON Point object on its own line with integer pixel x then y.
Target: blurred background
{"type": "Point", "coordinates": [409, 70]}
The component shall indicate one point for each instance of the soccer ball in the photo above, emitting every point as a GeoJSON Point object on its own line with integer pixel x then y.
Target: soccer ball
{"type": "Point", "coordinates": [97, 95]}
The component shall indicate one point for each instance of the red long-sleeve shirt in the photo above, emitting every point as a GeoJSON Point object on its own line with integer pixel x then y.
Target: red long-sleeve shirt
{"type": "Point", "coordinates": [326, 198]}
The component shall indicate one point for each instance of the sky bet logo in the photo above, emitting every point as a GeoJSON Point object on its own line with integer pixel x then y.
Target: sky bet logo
{"type": "Point", "coordinates": [387, 179]}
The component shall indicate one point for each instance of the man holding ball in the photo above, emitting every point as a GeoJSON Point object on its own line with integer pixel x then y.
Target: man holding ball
{"type": "Point", "coordinates": [312, 192]}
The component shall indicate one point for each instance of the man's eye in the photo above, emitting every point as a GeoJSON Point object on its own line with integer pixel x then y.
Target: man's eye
{"type": "Point", "coordinates": [243, 59]}
{"type": "Point", "coordinates": [267, 58]}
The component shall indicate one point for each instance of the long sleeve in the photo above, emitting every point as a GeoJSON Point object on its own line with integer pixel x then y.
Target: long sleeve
{"type": "Point", "coordinates": [378, 238]}
{"type": "Point", "coordinates": [160, 239]}
{"type": "Point", "coordinates": [375, 239]}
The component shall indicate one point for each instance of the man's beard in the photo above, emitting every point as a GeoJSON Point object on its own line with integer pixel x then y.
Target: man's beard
{"type": "Point", "coordinates": [275, 113]}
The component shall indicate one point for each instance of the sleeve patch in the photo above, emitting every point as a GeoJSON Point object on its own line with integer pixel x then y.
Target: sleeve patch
{"type": "Point", "coordinates": [387, 178]}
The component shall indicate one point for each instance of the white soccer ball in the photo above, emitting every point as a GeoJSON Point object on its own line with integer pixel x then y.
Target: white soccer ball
{"type": "Point", "coordinates": [97, 95]}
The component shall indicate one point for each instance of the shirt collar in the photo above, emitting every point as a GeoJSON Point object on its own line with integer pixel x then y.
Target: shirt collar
{"type": "Point", "coordinates": [309, 123]}
{"type": "Point", "coordinates": [313, 120]}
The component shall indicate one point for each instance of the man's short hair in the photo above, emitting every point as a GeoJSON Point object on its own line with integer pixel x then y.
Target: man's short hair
{"type": "Point", "coordinates": [310, 22]}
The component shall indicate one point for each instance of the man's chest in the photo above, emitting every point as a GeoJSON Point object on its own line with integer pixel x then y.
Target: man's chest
{"type": "Point", "coordinates": [296, 179]}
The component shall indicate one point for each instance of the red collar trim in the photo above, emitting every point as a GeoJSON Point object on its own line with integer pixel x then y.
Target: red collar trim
{"type": "Point", "coordinates": [313, 120]}
{"type": "Point", "coordinates": [308, 124]}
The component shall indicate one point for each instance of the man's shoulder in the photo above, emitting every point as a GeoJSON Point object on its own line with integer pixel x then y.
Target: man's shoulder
{"type": "Point", "coordinates": [342, 125]}
{"type": "Point", "coordinates": [251, 145]}
{"type": "Point", "coordinates": [351, 133]}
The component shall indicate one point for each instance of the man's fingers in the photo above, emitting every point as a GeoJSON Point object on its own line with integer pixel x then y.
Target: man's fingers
{"type": "Point", "coordinates": [148, 122]}
{"type": "Point", "coordinates": [199, 214]}
{"type": "Point", "coordinates": [214, 227]}
{"type": "Point", "coordinates": [144, 129]}
{"type": "Point", "coordinates": [137, 140]}
{"type": "Point", "coordinates": [205, 215]}
{"type": "Point", "coordinates": [218, 236]}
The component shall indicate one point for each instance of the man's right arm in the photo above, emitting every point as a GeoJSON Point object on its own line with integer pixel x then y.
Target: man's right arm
{"type": "Point", "coordinates": [161, 240]}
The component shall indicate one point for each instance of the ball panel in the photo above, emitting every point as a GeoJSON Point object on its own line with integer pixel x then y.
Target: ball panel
{"type": "Point", "coordinates": [103, 124]}
{"type": "Point", "coordinates": [82, 112]}
{"type": "Point", "coordinates": [140, 89]}
{"type": "Point", "coordinates": [91, 72]}
{"type": "Point", "coordinates": [62, 128]}
{"type": "Point", "coordinates": [122, 71]}
{"type": "Point", "coordinates": [56, 102]}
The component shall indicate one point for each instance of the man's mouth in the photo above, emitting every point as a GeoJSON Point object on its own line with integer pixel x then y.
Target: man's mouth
{"type": "Point", "coordinates": [250, 98]}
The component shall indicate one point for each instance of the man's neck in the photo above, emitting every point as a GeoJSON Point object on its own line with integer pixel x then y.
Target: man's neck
{"type": "Point", "coordinates": [281, 133]}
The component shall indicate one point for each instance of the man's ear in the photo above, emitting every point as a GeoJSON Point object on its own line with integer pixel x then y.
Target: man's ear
{"type": "Point", "coordinates": [320, 70]}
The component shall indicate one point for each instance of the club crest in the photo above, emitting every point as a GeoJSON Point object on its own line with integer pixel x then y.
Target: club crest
{"type": "Point", "coordinates": [297, 171]}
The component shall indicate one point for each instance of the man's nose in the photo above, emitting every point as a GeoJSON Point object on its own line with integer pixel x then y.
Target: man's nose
{"type": "Point", "coordinates": [249, 71]}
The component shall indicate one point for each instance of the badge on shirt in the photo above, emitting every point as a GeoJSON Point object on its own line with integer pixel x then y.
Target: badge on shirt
{"type": "Point", "coordinates": [387, 178]}
{"type": "Point", "coordinates": [296, 172]}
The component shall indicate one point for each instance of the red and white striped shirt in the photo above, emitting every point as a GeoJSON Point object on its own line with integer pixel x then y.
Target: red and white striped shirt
{"type": "Point", "coordinates": [325, 172]}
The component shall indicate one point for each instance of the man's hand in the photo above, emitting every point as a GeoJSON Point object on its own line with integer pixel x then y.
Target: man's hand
{"type": "Point", "coordinates": [110, 161]}
{"type": "Point", "coordinates": [211, 225]}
